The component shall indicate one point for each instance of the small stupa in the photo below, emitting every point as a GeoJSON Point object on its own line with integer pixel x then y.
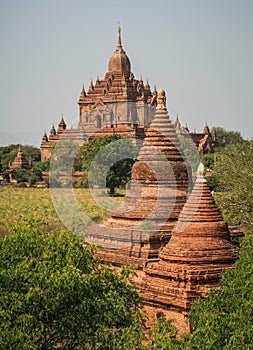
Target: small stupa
{"type": "Point", "coordinates": [20, 161]}
{"type": "Point", "coordinates": [197, 253]}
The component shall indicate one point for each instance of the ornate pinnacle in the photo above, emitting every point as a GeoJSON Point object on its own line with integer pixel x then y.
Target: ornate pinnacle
{"type": "Point", "coordinates": [161, 100]}
{"type": "Point", "coordinates": [201, 173]}
{"type": "Point", "coordinates": [119, 45]}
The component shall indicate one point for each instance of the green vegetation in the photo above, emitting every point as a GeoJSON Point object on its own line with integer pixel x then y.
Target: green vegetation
{"type": "Point", "coordinates": [224, 320]}
{"type": "Point", "coordinates": [233, 171]}
{"type": "Point", "coordinates": [232, 178]}
{"type": "Point", "coordinates": [54, 294]}
{"type": "Point", "coordinates": [17, 204]}
{"type": "Point", "coordinates": [109, 161]}
{"type": "Point", "coordinates": [189, 150]}
{"type": "Point", "coordinates": [227, 137]}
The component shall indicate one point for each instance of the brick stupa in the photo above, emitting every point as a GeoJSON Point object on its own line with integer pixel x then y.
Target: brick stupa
{"type": "Point", "coordinates": [20, 161]}
{"type": "Point", "coordinates": [160, 182]}
{"type": "Point", "coordinates": [193, 260]}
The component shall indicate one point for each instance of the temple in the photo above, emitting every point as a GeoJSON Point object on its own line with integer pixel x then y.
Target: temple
{"type": "Point", "coordinates": [193, 260]}
{"type": "Point", "coordinates": [161, 178]}
{"type": "Point", "coordinates": [173, 233]}
{"type": "Point", "coordinates": [171, 230]}
{"type": "Point", "coordinates": [20, 161]}
{"type": "Point", "coordinates": [119, 103]}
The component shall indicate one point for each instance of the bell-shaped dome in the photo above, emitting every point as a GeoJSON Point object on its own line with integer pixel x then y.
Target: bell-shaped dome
{"type": "Point", "coordinates": [119, 62]}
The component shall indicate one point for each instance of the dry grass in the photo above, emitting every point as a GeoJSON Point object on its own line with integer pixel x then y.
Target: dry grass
{"type": "Point", "coordinates": [17, 204]}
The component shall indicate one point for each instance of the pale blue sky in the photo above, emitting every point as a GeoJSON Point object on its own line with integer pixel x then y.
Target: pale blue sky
{"type": "Point", "coordinates": [199, 51]}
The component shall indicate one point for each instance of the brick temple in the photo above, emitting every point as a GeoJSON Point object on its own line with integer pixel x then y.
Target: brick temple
{"type": "Point", "coordinates": [118, 104]}
{"type": "Point", "coordinates": [175, 235]}
{"type": "Point", "coordinates": [182, 252]}
{"type": "Point", "coordinates": [193, 260]}
{"type": "Point", "coordinates": [20, 162]}
{"type": "Point", "coordinates": [160, 182]}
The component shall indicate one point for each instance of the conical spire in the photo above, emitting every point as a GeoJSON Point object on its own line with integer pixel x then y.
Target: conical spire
{"type": "Point", "coordinates": [91, 87]}
{"type": "Point", "coordinates": [197, 253]}
{"type": "Point", "coordinates": [147, 86]}
{"type": "Point", "coordinates": [206, 130]}
{"type": "Point", "coordinates": [83, 93]}
{"type": "Point", "coordinates": [52, 131]}
{"type": "Point", "coordinates": [45, 138]}
{"type": "Point", "coordinates": [119, 44]}
{"type": "Point", "coordinates": [119, 62]}
{"type": "Point", "coordinates": [62, 124]}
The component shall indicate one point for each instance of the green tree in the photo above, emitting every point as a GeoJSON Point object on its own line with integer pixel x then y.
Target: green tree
{"type": "Point", "coordinates": [208, 160]}
{"type": "Point", "coordinates": [20, 175]}
{"type": "Point", "coordinates": [227, 137]}
{"type": "Point", "coordinates": [32, 154]}
{"type": "Point", "coordinates": [189, 150]}
{"type": "Point", "coordinates": [224, 320]}
{"type": "Point", "coordinates": [54, 293]}
{"type": "Point", "coordinates": [89, 150]}
{"type": "Point", "coordinates": [233, 169]}
{"type": "Point", "coordinates": [39, 167]}
{"type": "Point", "coordinates": [7, 156]}
{"type": "Point", "coordinates": [109, 160]}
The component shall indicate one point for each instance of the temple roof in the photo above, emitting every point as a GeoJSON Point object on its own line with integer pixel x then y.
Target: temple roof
{"type": "Point", "coordinates": [119, 62]}
{"type": "Point", "coordinates": [118, 84]}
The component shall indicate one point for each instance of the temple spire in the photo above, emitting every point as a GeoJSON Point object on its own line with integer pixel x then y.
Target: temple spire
{"type": "Point", "coordinates": [119, 45]}
{"type": "Point", "coordinates": [45, 138]}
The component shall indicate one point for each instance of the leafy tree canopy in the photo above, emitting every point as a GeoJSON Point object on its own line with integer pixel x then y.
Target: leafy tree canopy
{"type": "Point", "coordinates": [189, 150]}
{"type": "Point", "coordinates": [227, 137]}
{"type": "Point", "coordinates": [108, 159]}
{"type": "Point", "coordinates": [53, 293]}
{"type": "Point", "coordinates": [224, 320]}
{"type": "Point", "coordinates": [234, 172]}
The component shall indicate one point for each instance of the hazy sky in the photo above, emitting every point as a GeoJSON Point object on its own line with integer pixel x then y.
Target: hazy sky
{"type": "Point", "coordinates": [199, 51]}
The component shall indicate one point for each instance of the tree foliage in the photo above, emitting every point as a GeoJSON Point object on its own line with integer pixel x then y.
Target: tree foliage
{"type": "Point", "coordinates": [108, 160]}
{"type": "Point", "coordinates": [20, 175]}
{"type": "Point", "coordinates": [224, 320]}
{"type": "Point", "coordinates": [227, 137]}
{"type": "Point", "coordinates": [190, 151]}
{"type": "Point", "coordinates": [53, 293]}
{"type": "Point", "coordinates": [234, 172]}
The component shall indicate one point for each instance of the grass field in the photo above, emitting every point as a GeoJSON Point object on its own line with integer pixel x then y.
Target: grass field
{"type": "Point", "coordinates": [17, 204]}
